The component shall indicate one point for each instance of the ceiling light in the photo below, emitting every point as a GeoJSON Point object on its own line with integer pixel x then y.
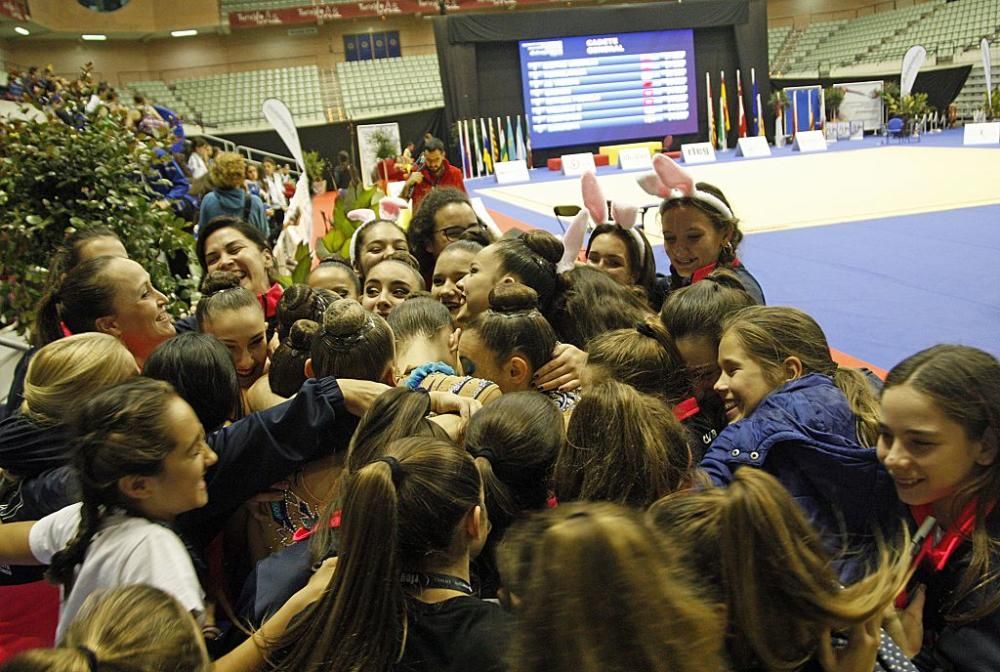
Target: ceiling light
{"type": "Point", "coordinates": [183, 33]}
{"type": "Point", "coordinates": [94, 38]}
{"type": "Point", "coordinates": [21, 31]}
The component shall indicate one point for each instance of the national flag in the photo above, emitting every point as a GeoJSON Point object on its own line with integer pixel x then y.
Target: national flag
{"type": "Point", "coordinates": [795, 112]}
{"type": "Point", "coordinates": [494, 147]}
{"type": "Point", "coordinates": [511, 142]}
{"type": "Point", "coordinates": [468, 149]}
{"type": "Point", "coordinates": [710, 108]}
{"type": "Point", "coordinates": [527, 138]}
{"type": "Point", "coordinates": [809, 101]}
{"type": "Point", "coordinates": [487, 152]}
{"type": "Point", "coordinates": [723, 123]}
{"type": "Point", "coordinates": [743, 114]}
{"type": "Point", "coordinates": [474, 148]}
{"type": "Point", "coordinates": [461, 152]}
{"type": "Point", "coordinates": [758, 109]}
{"type": "Point", "coordinates": [503, 140]}
{"type": "Point", "coordinates": [522, 152]}
{"type": "Point", "coordinates": [725, 100]}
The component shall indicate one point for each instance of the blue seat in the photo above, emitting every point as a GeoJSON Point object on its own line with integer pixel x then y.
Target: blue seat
{"type": "Point", "coordinates": [895, 129]}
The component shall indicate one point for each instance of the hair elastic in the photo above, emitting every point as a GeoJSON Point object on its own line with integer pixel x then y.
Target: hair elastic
{"type": "Point", "coordinates": [92, 662]}
{"type": "Point", "coordinates": [486, 454]}
{"type": "Point", "coordinates": [645, 329]}
{"type": "Point", "coordinates": [395, 467]}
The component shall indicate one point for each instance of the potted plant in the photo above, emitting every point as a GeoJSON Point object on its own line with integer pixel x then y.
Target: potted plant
{"type": "Point", "coordinates": [55, 179]}
{"type": "Point", "coordinates": [384, 147]}
{"type": "Point", "coordinates": [316, 167]}
{"type": "Point", "coordinates": [991, 105]}
{"type": "Point", "coordinates": [337, 241]}
{"type": "Point", "coordinates": [833, 96]}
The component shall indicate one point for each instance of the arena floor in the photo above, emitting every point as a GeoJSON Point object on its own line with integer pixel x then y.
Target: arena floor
{"type": "Point", "coordinates": [891, 247]}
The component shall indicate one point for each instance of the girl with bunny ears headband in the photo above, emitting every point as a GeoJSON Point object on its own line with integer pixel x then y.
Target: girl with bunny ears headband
{"type": "Point", "coordinates": [700, 231]}
{"type": "Point", "coordinates": [377, 236]}
{"type": "Point", "coordinates": [616, 246]}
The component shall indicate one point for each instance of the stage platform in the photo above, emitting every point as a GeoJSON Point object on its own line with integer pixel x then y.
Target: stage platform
{"type": "Point", "coordinates": [890, 247]}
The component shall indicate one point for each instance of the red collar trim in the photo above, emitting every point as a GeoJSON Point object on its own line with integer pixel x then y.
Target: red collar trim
{"type": "Point", "coordinates": [686, 409]}
{"type": "Point", "coordinates": [304, 533]}
{"type": "Point", "coordinates": [936, 555]}
{"type": "Point", "coordinates": [269, 300]}
{"type": "Point", "coordinates": [703, 272]}
{"type": "Point", "coordinates": [65, 329]}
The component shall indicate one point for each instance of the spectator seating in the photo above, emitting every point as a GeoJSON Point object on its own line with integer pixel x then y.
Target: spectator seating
{"type": "Point", "coordinates": [972, 97]}
{"type": "Point", "coordinates": [388, 86]}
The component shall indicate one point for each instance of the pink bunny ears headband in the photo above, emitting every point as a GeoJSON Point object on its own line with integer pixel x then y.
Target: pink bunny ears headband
{"type": "Point", "coordinates": [669, 181]}
{"type": "Point", "coordinates": [596, 209]}
{"type": "Point", "coordinates": [388, 209]}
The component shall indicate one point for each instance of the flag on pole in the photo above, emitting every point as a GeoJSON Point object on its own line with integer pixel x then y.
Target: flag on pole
{"type": "Point", "coordinates": [743, 114]}
{"type": "Point", "coordinates": [809, 101]}
{"type": "Point", "coordinates": [494, 147]}
{"type": "Point", "coordinates": [795, 112]}
{"type": "Point", "coordinates": [474, 148]}
{"type": "Point", "coordinates": [527, 138]}
{"type": "Point", "coordinates": [758, 109]}
{"type": "Point", "coordinates": [487, 152]}
{"type": "Point", "coordinates": [984, 48]}
{"type": "Point", "coordinates": [711, 112]}
{"type": "Point", "coordinates": [723, 125]}
{"type": "Point", "coordinates": [468, 148]}
{"type": "Point", "coordinates": [511, 142]}
{"type": "Point", "coordinates": [522, 152]}
{"type": "Point", "coordinates": [503, 140]}
{"type": "Point", "coordinates": [461, 152]}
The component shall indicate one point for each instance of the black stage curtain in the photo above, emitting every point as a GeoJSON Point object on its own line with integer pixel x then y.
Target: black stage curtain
{"type": "Point", "coordinates": [941, 85]}
{"type": "Point", "coordinates": [480, 69]}
{"type": "Point", "coordinates": [329, 139]}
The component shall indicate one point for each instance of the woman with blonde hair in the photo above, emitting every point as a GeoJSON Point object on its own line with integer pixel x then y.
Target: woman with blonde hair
{"type": "Point", "coordinates": [592, 565]}
{"type": "Point", "coordinates": [35, 448]}
{"type": "Point", "coordinates": [129, 629]}
{"type": "Point", "coordinates": [758, 555]}
{"type": "Point", "coordinates": [228, 173]}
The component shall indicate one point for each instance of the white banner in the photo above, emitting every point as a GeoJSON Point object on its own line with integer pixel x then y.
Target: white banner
{"type": "Point", "coordinates": [298, 216]}
{"type": "Point", "coordinates": [984, 46]}
{"type": "Point", "coordinates": [862, 102]}
{"type": "Point", "coordinates": [368, 146]}
{"type": "Point", "coordinates": [912, 63]}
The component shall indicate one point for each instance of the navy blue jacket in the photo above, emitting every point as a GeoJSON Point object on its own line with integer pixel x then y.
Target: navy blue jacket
{"type": "Point", "coordinates": [664, 284]}
{"type": "Point", "coordinates": [804, 434]}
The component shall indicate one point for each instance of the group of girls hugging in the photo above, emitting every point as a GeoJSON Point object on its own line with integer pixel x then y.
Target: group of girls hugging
{"type": "Point", "coordinates": [462, 452]}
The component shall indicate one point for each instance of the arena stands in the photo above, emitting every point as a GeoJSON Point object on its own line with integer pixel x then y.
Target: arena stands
{"type": "Point", "coordinates": [390, 86]}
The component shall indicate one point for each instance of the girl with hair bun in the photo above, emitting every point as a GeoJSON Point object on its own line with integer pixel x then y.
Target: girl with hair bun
{"type": "Point", "coordinates": [302, 302]}
{"type": "Point", "coordinates": [798, 416]}
{"type": "Point", "coordinates": [939, 441]}
{"type": "Point", "coordinates": [622, 446]}
{"type": "Point", "coordinates": [758, 556]}
{"type": "Point", "coordinates": [401, 597]}
{"type": "Point", "coordinates": [352, 343]}
{"type": "Point", "coordinates": [509, 342]}
{"type": "Point", "coordinates": [288, 363]}
{"type": "Point", "coordinates": [591, 562]}
{"type": "Point", "coordinates": [515, 441]}
{"type": "Point", "coordinates": [232, 314]}
{"type": "Point", "coordinates": [336, 275]}
{"type": "Point", "coordinates": [529, 259]}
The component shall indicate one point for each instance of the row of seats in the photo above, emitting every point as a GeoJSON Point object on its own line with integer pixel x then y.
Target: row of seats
{"type": "Point", "coordinates": [972, 97]}
{"type": "Point", "coordinates": [944, 28]}
{"type": "Point", "coordinates": [384, 86]}
{"type": "Point", "coordinates": [230, 6]}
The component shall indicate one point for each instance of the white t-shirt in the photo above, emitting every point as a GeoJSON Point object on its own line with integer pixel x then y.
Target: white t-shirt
{"type": "Point", "coordinates": [197, 166]}
{"type": "Point", "coordinates": [127, 550]}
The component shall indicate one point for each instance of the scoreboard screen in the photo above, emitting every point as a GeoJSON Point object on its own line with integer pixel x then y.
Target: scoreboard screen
{"type": "Point", "coordinates": [601, 89]}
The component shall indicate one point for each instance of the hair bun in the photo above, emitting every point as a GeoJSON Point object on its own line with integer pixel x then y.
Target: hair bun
{"type": "Point", "coordinates": [219, 281]}
{"type": "Point", "coordinates": [345, 317]}
{"type": "Point", "coordinates": [301, 335]}
{"type": "Point", "coordinates": [544, 244]}
{"type": "Point", "coordinates": [511, 297]}
{"type": "Point", "coordinates": [296, 303]}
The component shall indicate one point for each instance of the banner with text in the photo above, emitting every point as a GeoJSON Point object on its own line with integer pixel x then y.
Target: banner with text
{"type": "Point", "coordinates": [352, 10]}
{"type": "Point", "coordinates": [862, 102]}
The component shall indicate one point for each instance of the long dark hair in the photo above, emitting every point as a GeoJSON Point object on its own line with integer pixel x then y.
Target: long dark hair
{"type": "Point", "coordinates": [532, 259]}
{"type": "Point", "coordinates": [78, 300]}
{"type": "Point", "coordinates": [964, 383]}
{"type": "Point", "coordinates": [400, 514]}
{"type": "Point", "coordinates": [119, 432]}
{"type": "Point", "coordinates": [640, 253]}
{"type": "Point", "coordinates": [590, 302]}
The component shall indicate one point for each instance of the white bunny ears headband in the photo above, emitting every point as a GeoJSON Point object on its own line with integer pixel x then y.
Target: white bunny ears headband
{"type": "Point", "coordinates": [388, 209]}
{"type": "Point", "coordinates": [596, 210]}
{"type": "Point", "coordinates": [670, 182]}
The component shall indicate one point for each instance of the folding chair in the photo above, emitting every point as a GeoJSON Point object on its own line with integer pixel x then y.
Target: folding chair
{"type": "Point", "coordinates": [565, 211]}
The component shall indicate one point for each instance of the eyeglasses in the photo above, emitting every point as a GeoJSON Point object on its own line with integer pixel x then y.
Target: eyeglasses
{"type": "Point", "coordinates": [453, 233]}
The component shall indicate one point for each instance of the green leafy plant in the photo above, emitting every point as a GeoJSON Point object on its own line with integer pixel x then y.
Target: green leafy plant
{"type": "Point", "coordinates": [991, 106]}
{"type": "Point", "coordinates": [316, 166]}
{"type": "Point", "coordinates": [303, 265]}
{"type": "Point", "coordinates": [833, 96]}
{"type": "Point", "coordinates": [55, 179]}
{"type": "Point", "coordinates": [338, 239]}
{"type": "Point", "coordinates": [384, 144]}
{"type": "Point", "coordinates": [907, 107]}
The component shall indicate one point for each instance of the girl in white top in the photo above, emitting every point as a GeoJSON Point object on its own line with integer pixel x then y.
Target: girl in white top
{"type": "Point", "coordinates": [141, 458]}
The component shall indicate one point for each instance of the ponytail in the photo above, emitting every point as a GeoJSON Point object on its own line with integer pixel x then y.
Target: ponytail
{"type": "Point", "coordinates": [400, 514]}
{"type": "Point", "coordinates": [78, 301]}
{"type": "Point", "coordinates": [863, 402]}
